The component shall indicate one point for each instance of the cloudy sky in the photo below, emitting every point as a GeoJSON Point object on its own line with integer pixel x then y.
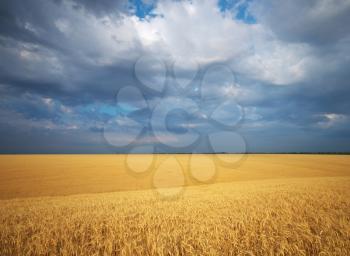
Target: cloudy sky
{"type": "Point", "coordinates": [88, 76]}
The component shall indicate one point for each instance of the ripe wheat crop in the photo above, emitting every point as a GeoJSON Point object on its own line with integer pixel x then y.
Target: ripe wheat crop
{"type": "Point", "coordinates": [275, 216]}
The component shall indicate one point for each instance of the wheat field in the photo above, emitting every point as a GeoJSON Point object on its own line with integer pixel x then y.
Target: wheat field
{"type": "Point", "coordinates": [268, 205]}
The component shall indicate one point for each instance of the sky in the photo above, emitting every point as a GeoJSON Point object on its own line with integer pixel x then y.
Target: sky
{"type": "Point", "coordinates": [114, 76]}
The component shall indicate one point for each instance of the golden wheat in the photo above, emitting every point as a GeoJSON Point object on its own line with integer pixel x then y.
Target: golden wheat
{"type": "Point", "coordinates": [54, 175]}
{"type": "Point", "coordinates": [280, 216]}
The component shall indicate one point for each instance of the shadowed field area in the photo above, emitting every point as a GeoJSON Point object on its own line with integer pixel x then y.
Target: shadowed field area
{"type": "Point", "coordinates": [268, 205]}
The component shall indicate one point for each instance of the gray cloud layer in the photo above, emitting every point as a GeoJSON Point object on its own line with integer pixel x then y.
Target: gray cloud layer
{"type": "Point", "coordinates": [63, 62]}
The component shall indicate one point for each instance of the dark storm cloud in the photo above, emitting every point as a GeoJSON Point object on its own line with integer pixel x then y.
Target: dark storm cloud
{"type": "Point", "coordinates": [29, 27]}
{"type": "Point", "coordinates": [18, 18]}
{"type": "Point", "coordinates": [304, 103]}
{"type": "Point", "coordinates": [15, 15]}
{"type": "Point", "coordinates": [32, 107]}
{"type": "Point", "coordinates": [22, 140]}
{"type": "Point", "coordinates": [103, 7]}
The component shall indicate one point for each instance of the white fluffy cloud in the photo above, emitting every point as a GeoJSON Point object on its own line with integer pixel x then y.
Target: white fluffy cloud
{"type": "Point", "coordinates": [197, 30]}
{"type": "Point", "coordinates": [276, 62]}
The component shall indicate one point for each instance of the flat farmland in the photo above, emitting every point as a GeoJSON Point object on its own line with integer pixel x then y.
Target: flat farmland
{"type": "Point", "coordinates": [101, 205]}
{"type": "Point", "coordinates": [54, 175]}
